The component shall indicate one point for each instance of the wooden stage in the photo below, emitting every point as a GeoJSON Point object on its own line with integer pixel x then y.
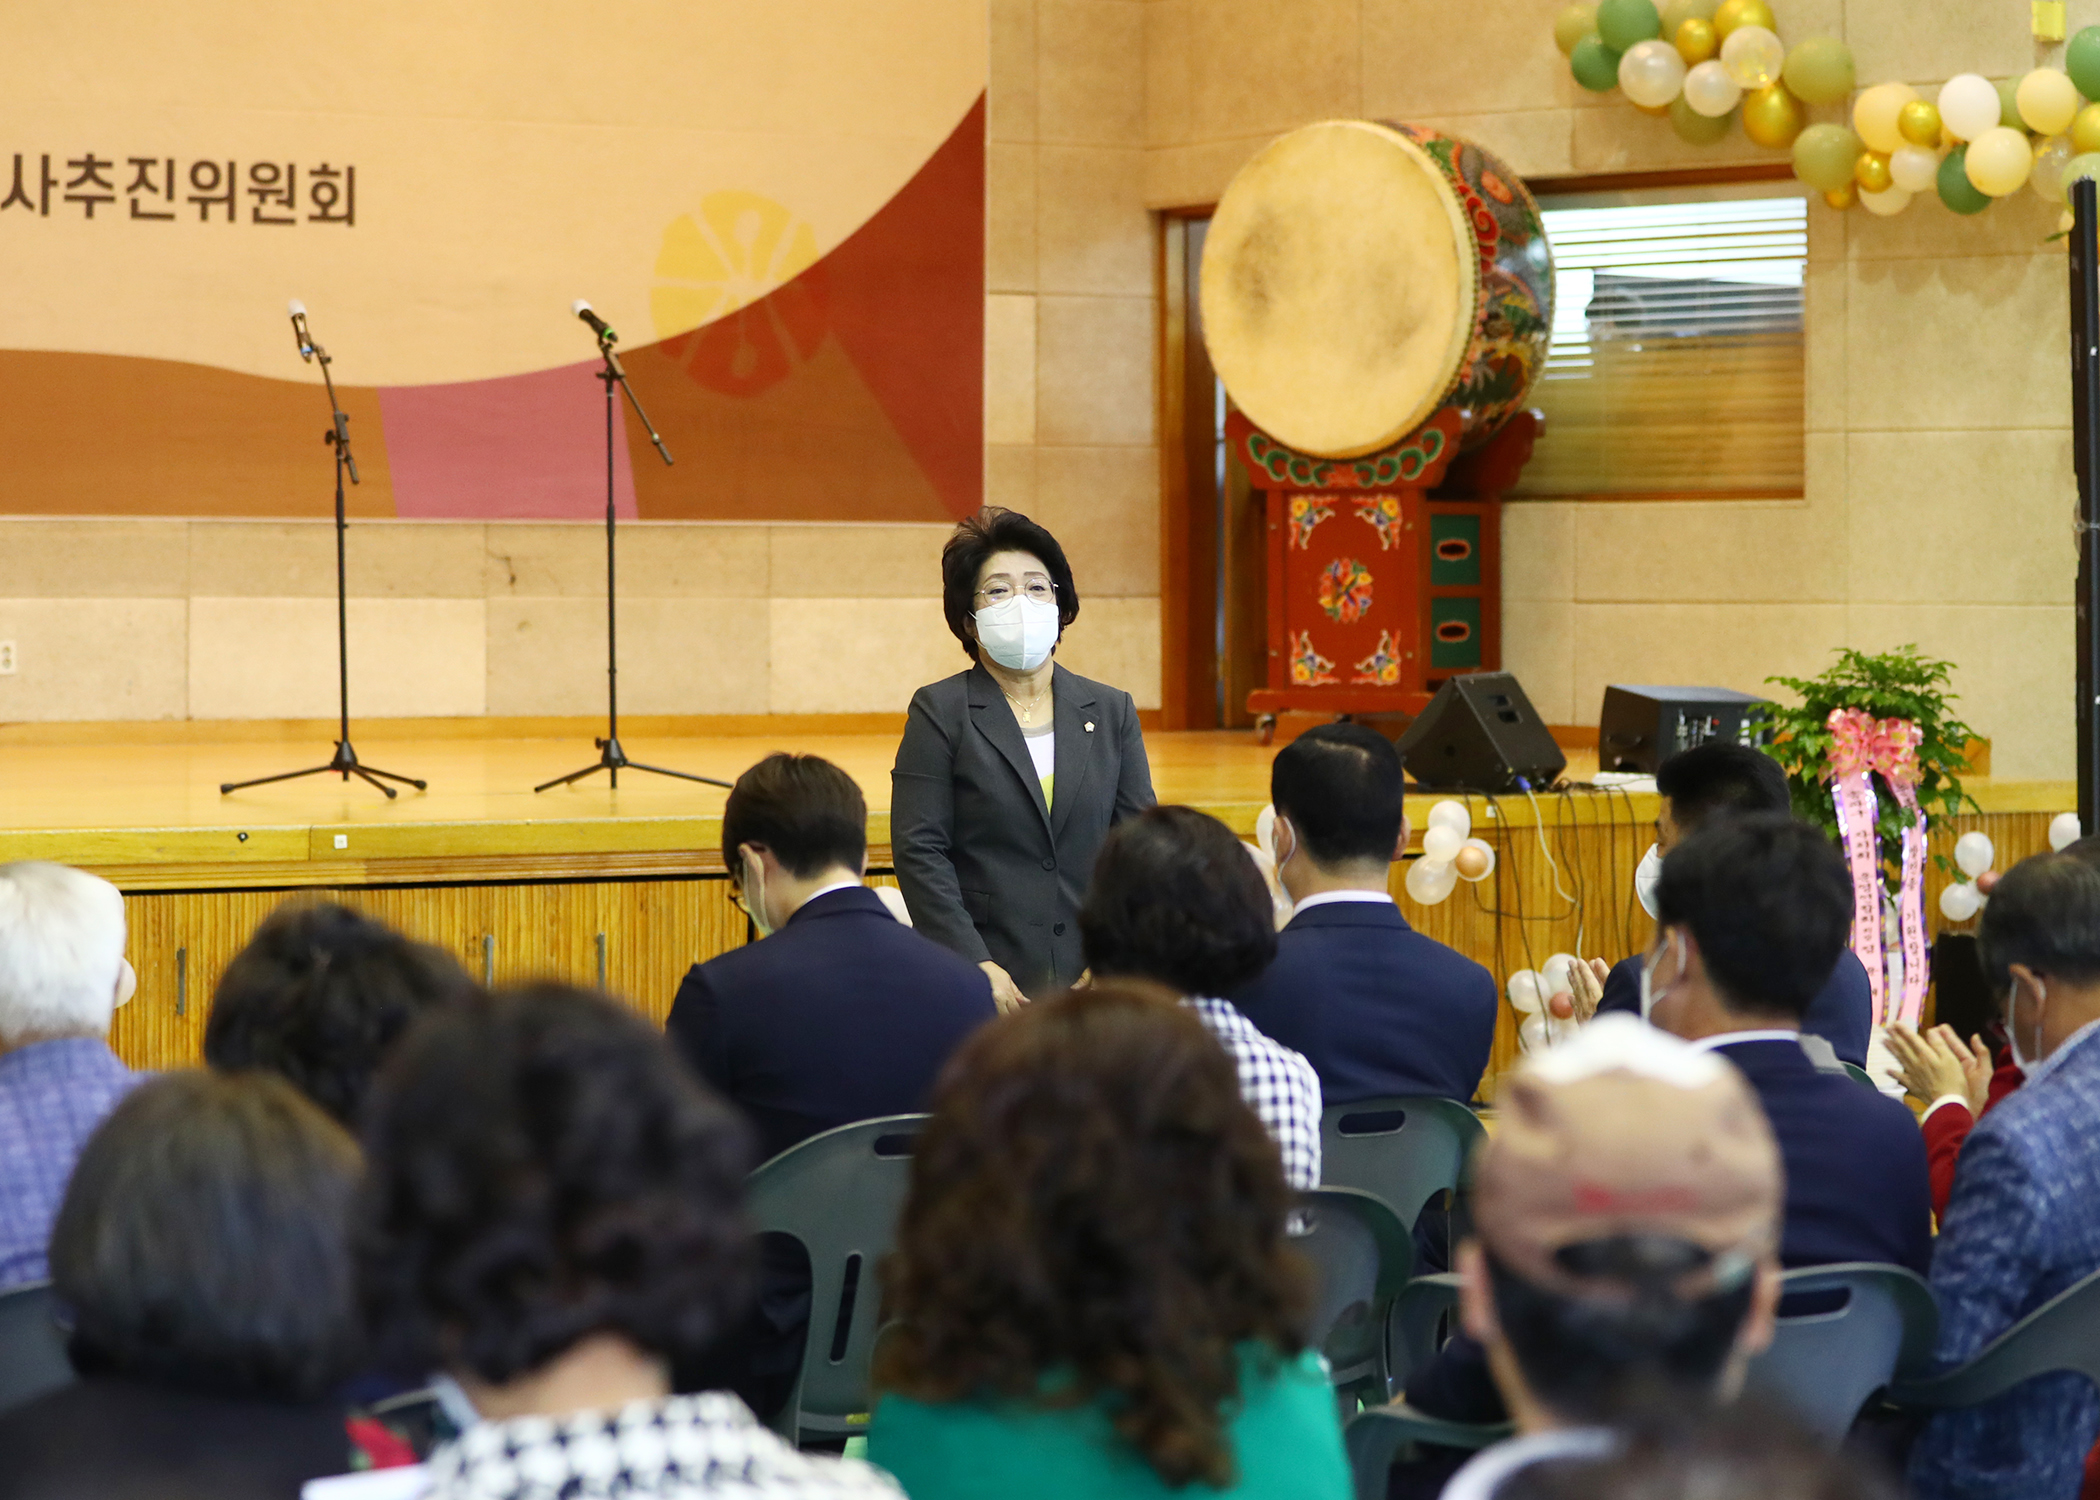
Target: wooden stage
{"type": "Point", "coordinates": [625, 889]}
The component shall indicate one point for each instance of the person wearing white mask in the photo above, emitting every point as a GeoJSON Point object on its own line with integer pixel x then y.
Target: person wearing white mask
{"type": "Point", "coordinates": [1011, 773]}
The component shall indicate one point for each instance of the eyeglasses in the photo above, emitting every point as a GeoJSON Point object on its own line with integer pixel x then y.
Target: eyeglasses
{"type": "Point", "coordinates": [1000, 588]}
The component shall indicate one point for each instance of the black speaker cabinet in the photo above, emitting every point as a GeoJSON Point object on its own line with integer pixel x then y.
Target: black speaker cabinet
{"type": "Point", "coordinates": [1641, 727]}
{"type": "Point", "coordinates": [1481, 734]}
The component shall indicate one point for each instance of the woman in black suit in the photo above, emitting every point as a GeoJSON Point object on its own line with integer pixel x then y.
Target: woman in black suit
{"type": "Point", "coordinates": [1011, 773]}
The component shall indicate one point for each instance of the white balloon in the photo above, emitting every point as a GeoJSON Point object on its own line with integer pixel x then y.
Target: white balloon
{"type": "Point", "coordinates": [1525, 995]}
{"type": "Point", "coordinates": [1485, 848]}
{"type": "Point", "coordinates": [1430, 881]}
{"type": "Point", "coordinates": [1709, 91]}
{"type": "Point", "coordinates": [1651, 73]}
{"type": "Point", "coordinates": [1531, 1033]}
{"type": "Point", "coordinates": [1886, 204]}
{"type": "Point", "coordinates": [1754, 55]}
{"type": "Point", "coordinates": [1554, 971]}
{"type": "Point", "coordinates": [1969, 105]}
{"type": "Point", "coordinates": [1960, 901]}
{"type": "Point", "coordinates": [1914, 169]}
{"type": "Point", "coordinates": [2064, 831]}
{"type": "Point", "coordinates": [2050, 159]}
{"type": "Point", "coordinates": [1441, 843]}
{"type": "Point", "coordinates": [1974, 853]}
{"type": "Point", "coordinates": [1449, 814]}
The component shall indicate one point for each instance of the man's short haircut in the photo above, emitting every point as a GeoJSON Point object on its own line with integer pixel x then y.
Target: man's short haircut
{"type": "Point", "coordinates": [1592, 1359]}
{"type": "Point", "coordinates": [1769, 901]}
{"type": "Point", "coordinates": [996, 529]}
{"type": "Point", "coordinates": [2045, 915]}
{"type": "Point", "coordinates": [1342, 787]}
{"type": "Point", "coordinates": [802, 807]}
{"type": "Point", "coordinates": [1721, 776]}
{"type": "Point", "coordinates": [319, 995]}
{"type": "Point", "coordinates": [203, 1240]}
{"type": "Point", "coordinates": [61, 950]}
{"type": "Point", "coordinates": [543, 1167]}
{"type": "Point", "coordinates": [1177, 899]}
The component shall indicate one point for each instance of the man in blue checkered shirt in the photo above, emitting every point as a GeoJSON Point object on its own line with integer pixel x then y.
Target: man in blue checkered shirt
{"type": "Point", "coordinates": [62, 972]}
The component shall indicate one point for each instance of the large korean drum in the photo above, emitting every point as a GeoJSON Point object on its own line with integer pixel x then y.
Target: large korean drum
{"type": "Point", "coordinates": [1359, 276]}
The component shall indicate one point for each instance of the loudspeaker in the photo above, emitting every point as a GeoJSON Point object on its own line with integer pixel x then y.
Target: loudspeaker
{"type": "Point", "coordinates": [1481, 734]}
{"type": "Point", "coordinates": [1641, 727]}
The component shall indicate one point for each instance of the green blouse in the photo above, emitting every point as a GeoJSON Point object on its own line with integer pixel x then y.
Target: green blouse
{"type": "Point", "coordinates": [1286, 1444]}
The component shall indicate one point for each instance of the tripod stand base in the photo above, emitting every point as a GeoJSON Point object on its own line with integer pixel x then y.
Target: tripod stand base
{"type": "Point", "coordinates": [613, 760]}
{"type": "Point", "coordinates": [345, 763]}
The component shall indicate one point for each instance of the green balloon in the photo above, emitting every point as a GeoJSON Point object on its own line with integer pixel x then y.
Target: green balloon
{"type": "Point", "coordinates": [1819, 70]}
{"type": "Point", "coordinates": [2082, 61]}
{"type": "Point", "coordinates": [2086, 164]}
{"type": "Point", "coordinates": [1595, 66]}
{"type": "Point", "coordinates": [1695, 129]}
{"type": "Point", "coordinates": [2009, 103]}
{"type": "Point", "coordinates": [1824, 154]}
{"type": "Point", "coordinates": [1677, 12]}
{"type": "Point", "coordinates": [1621, 23]}
{"type": "Point", "coordinates": [1956, 191]}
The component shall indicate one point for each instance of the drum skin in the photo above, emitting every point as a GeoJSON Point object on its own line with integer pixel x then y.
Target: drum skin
{"type": "Point", "coordinates": [1357, 276]}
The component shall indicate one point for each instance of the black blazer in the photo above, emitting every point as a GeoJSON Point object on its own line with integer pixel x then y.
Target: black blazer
{"type": "Point", "coordinates": [1376, 1007]}
{"type": "Point", "coordinates": [1842, 1013]}
{"type": "Point", "coordinates": [988, 870]}
{"type": "Point", "coordinates": [844, 1014]}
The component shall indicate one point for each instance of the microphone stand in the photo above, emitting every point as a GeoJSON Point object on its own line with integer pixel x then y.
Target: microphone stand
{"type": "Point", "coordinates": [611, 758]}
{"type": "Point", "coordinates": [345, 760]}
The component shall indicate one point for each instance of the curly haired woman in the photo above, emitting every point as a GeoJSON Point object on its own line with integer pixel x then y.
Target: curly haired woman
{"type": "Point", "coordinates": [1091, 1284]}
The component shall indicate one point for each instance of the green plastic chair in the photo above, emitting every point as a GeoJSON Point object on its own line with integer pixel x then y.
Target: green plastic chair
{"type": "Point", "coordinates": [1860, 1075]}
{"type": "Point", "coordinates": [1379, 1437]}
{"type": "Point", "coordinates": [1825, 1365]}
{"type": "Point", "coordinates": [2063, 1334]}
{"type": "Point", "coordinates": [839, 1194]}
{"type": "Point", "coordinates": [32, 1345]}
{"type": "Point", "coordinates": [1362, 1256]}
{"type": "Point", "coordinates": [1404, 1150]}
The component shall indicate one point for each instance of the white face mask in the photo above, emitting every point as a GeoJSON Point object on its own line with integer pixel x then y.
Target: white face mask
{"type": "Point", "coordinates": [1645, 877]}
{"type": "Point", "coordinates": [755, 895]}
{"type": "Point", "coordinates": [2026, 1062]}
{"type": "Point", "coordinates": [1648, 995]}
{"type": "Point", "coordinates": [1019, 634]}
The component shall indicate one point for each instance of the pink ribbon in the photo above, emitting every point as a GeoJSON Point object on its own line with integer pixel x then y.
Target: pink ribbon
{"type": "Point", "coordinates": [1860, 746]}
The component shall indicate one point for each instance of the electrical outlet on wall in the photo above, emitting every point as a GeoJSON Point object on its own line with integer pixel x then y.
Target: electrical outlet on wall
{"type": "Point", "coordinates": [7, 658]}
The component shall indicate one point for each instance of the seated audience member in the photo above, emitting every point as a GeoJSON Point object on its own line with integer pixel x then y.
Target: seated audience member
{"type": "Point", "coordinates": [1175, 900]}
{"type": "Point", "coordinates": [1091, 1287]}
{"type": "Point", "coordinates": [1627, 1215]}
{"type": "Point", "coordinates": [552, 1214]}
{"type": "Point", "coordinates": [202, 1254]}
{"type": "Point", "coordinates": [841, 1013]}
{"type": "Point", "coordinates": [1751, 911]}
{"type": "Point", "coordinates": [319, 995]}
{"type": "Point", "coordinates": [1377, 1008]}
{"type": "Point", "coordinates": [2023, 1223]}
{"type": "Point", "coordinates": [61, 969]}
{"type": "Point", "coordinates": [1719, 777]}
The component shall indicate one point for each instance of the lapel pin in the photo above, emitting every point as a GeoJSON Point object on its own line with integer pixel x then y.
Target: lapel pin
{"type": "Point", "coordinates": [1089, 726]}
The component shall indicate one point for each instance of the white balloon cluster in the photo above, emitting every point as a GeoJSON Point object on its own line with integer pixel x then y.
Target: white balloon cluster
{"type": "Point", "coordinates": [1529, 990]}
{"type": "Point", "coordinates": [1974, 854]}
{"type": "Point", "coordinates": [1449, 853]}
{"type": "Point", "coordinates": [2064, 831]}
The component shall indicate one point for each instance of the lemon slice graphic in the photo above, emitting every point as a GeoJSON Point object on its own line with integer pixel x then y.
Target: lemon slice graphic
{"type": "Point", "coordinates": [739, 247]}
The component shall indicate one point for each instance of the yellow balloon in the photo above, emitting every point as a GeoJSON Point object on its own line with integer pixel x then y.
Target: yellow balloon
{"type": "Point", "coordinates": [1734, 13]}
{"type": "Point", "coordinates": [1874, 116]}
{"type": "Point", "coordinates": [1844, 197]}
{"type": "Point", "coordinates": [1999, 160]}
{"type": "Point", "coordinates": [1573, 24]}
{"type": "Point", "coordinates": [1919, 123]}
{"type": "Point", "coordinates": [1660, 111]}
{"type": "Point", "coordinates": [2085, 129]}
{"type": "Point", "coordinates": [1871, 172]}
{"type": "Point", "coordinates": [1772, 116]}
{"type": "Point", "coordinates": [2047, 101]}
{"type": "Point", "coordinates": [1696, 42]}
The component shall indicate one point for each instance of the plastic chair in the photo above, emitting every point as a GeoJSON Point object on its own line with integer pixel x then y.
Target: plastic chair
{"type": "Point", "coordinates": [1824, 1365]}
{"type": "Point", "coordinates": [1362, 1256]}
{"type": "Point", "coordinates": [2063, 1334]}
{"type": "Point", "coordinates": [32, 1345]}
{"type": "Point", "coordinates": [1404, 1150]}
{"type": "Point", "coordinates": [1376, 1439]}
{"type": "Point", "coordinates": [1418, 1311]}
{"type": "Point", "coordinates": [1860, 1075]}
{"type": "Point", "coordinates": [839, 1194]}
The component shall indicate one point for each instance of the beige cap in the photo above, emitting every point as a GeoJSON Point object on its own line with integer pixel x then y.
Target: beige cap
{"type": "Point", "coordinates": [1626, 1130]}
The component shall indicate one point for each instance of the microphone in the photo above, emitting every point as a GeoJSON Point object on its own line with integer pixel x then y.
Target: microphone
{"type": "Point", "coordinates": [599, 326]}
{"type": "Point", "coordinates": [306, 341]}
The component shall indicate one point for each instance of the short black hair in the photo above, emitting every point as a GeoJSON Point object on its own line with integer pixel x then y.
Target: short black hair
{"type": "Point", "coordinates": [1176, 898]}
{"type": "Point", "coordinates": [1342, 787]}
{"type": "Point", "coordinates": [2044, 915]}
{"type": "Point", "coordinates": [806, 810]}
{"type": "Point", "coordinates": [1769, 900]}
{"type": "Point", "coordinates": [319, 995]}
{"type": "Point", "coordinates": [1721, 776]}
{"type": "Point", "coordinates": [996, 529]}
{"type": "Point", "coordinates": [1592, 1359]}
{"type": "Point", "coordinates": [203, 1240]}
{"type": "Point", "coordinates": [543, 1167]}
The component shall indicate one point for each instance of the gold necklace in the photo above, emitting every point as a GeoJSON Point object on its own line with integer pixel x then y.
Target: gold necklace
{"type": "Point", "coordinates": [1026, 711]}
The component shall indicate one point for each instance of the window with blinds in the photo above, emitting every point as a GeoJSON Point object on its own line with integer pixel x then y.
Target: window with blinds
{"type": "Point", "coordinates": [1676, 369]}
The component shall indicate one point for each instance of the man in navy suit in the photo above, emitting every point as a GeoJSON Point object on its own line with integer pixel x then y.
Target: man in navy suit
{"type": "Point", "coordinates": [1720, 777]}
{"type": "Point", "coordinates": [1376, 1007]}
{"type": "Point", "coordinates": [839, 1013]}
